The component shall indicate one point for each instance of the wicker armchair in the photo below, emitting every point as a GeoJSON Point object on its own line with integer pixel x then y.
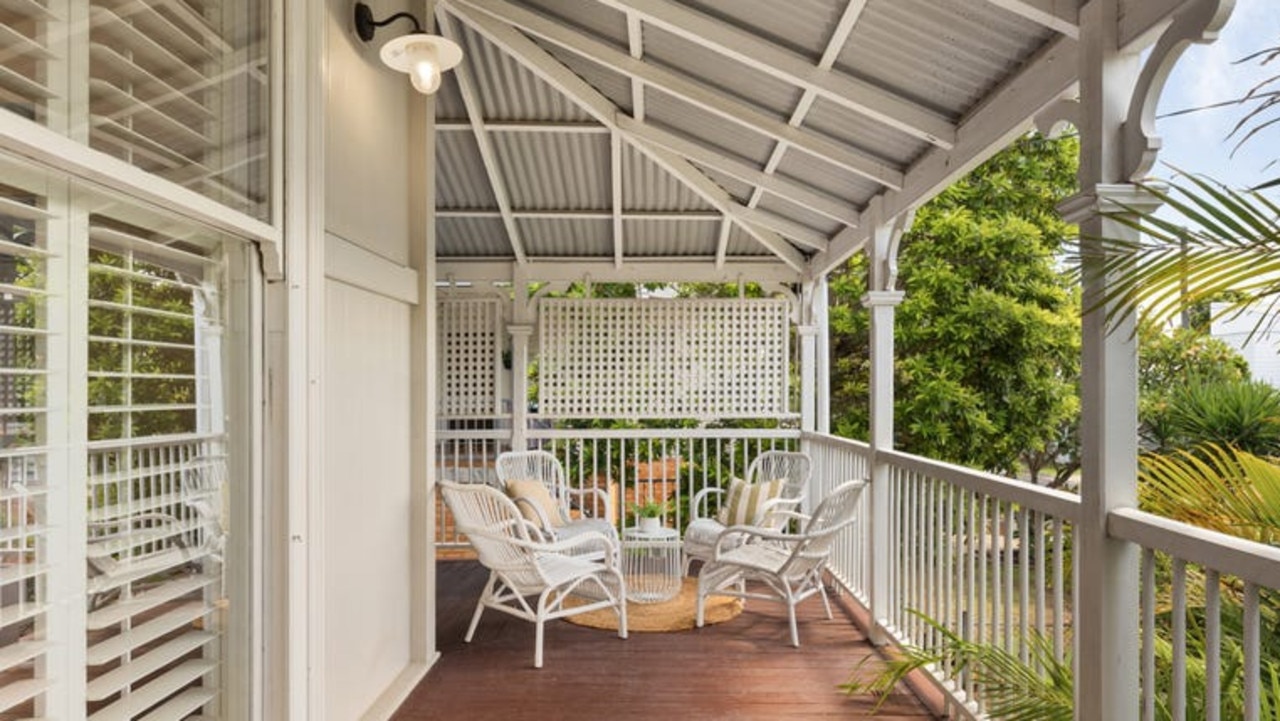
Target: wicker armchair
{"type": "Point", "coordinates": [757, 563]}
{"type": "Point", "coordinates": [791, 467]}
{"type": "Point", "coordinates": [530, 578]}
{"type": "Point", "coordinates": [554, 514]}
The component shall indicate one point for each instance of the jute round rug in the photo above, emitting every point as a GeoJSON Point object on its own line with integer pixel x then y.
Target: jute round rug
{"type": "Point", "coordinates": [678, 614]}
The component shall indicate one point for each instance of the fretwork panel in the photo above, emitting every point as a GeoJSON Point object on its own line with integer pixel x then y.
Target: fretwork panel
{"type": "Point", "coordinates": [469, 356]}
{"type": "Point", "coordinates": [663, 358]}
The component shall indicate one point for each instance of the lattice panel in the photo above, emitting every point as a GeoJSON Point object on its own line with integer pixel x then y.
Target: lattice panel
{"type": "Point", "coordinates": [470, 355]}
{"type": "Point", "coordinates": [656, 358]}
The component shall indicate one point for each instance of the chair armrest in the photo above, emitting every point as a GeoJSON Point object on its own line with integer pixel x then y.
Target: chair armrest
{"type": "Point", "coordinates": [588, 538]}
{"type": "Point", "coordinates": [602, 500]}
{"type": "Point", "coordinates": [750, 534]}
{"type": "Point", "coordinates": [699, 501]}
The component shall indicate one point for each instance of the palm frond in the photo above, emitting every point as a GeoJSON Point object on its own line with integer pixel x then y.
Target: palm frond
{"type": "Point", "coordinates": [1040, 689]}
{"type": "Point", "coordinates": [1215, 487]}
{"type": "Point", "coordinates": [1220, 240]}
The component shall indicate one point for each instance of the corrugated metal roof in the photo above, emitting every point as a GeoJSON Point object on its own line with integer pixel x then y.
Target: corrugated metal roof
{"type": "Point", "coordinates": [471, 238]}
{"type": "Point", "coordinates": [802, 26]}
{"type": "Point", "coordinates": [546, 171]}
{"type": "Point", "coordinates": [860, 132]}
{"type": "Point", "coordinates": [566, 237]}
{"type": "Point", "coordinates": [942, 55]}
{"type": "Point", "coordinates": [507, 89]}
{"type": "Point", "coordinates": [850, 188]}
{"type": "Point", "coordinates": [460, 178]}
{"type": "Point", "coordinates": [613, 85]}
{"type": "Point", "coordinates": [599, 20]}
{"type": "Point", "coordinates": [709, 129]}
{"type": "Point", "coordinates": [791, 211]}
{"type": "Point", "coordinates": [670, 238]}
{"type": "Point", "coordinates": [743, 245]}
{"type": "Point", "coordinates": [647, 186]}
{"type": "Point", "coordinates": [712, 68]}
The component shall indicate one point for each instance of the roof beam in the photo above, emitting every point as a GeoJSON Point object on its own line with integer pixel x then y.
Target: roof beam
{"type": "Point", "coordinates": [1007, 113]}
{"type": "Point", "coordinates": [526, 126]}
{"type": "Point", "coordinates": [702, 96]}
{"type": "Point", "coordinates": [648, 270]}
{"type": "Point", "coordinates": [699, 153]}
{"type": "Point", "coordinates": [749, 49]}
{"type": "Point", "coordinates": [1061, 16]}
{"type": "Point", "coordinates": [656, 215]}
{"type": "Point", "coordinates": [595, 103]}
{"type": "Point", "coordinates": [487, 156]}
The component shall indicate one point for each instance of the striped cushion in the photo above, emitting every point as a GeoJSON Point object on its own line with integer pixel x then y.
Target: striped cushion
{"type": "Point", "coordinates": [745, 499]}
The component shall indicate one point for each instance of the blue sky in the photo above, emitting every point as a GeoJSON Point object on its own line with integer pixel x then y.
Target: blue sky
{"type": "Point", "coordinates": [1205, 75]}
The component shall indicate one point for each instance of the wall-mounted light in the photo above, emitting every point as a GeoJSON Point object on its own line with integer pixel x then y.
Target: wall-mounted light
{"type": "Point", "coordinates": [425, 57]}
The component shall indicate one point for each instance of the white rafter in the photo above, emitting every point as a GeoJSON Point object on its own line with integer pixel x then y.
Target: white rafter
{"type": "Point", "coordinates": [476, 117]}
{"type": "Point", "coordinates": [658, 215]}
{"type": "Point", "coordinates": [703, 96]}
{"type": "Point", "coordinates": [525, 126]}
{"type": "Point", "coordinates": [635, 42]}
{"type": "Point", "coordinates": [699, 153]}
{"type": "Point", "coordinates": [1061, 16]}
{"type": "Point", "coordinates": [749, 49]}
{"type": "Point", "coordinates": [602, 109]}
{"type": "Point", "coordinates": [844, 28]}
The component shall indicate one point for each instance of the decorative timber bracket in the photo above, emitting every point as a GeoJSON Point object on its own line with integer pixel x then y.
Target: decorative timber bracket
{"type": "Point", "coordinates": [1197, 22]}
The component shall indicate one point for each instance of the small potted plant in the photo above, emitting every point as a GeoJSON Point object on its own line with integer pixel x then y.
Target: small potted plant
{"type": "Point", "coordinates": [650, 514]}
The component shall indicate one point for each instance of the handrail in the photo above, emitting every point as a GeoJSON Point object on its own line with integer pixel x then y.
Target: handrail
{"type": "Point", "coordinates": [643, 433]}
{"type": "Point", "coordinates": [1251, 561]}
{"type": "Point", "coordinates": [1059, 504]}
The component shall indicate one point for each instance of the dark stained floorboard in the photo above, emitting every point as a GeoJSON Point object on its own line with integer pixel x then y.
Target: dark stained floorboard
{"type": "Point", "coordinates": [742, 669]}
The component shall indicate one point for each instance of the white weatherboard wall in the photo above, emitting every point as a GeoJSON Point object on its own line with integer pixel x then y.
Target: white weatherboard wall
{"type": "Point", "coordinates": [367, 501]}
{"type": "Point", "coordinates": [365, 595]}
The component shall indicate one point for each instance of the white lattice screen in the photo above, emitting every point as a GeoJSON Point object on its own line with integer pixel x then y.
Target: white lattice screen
{"type": "Point", "coordinates": [660, 358]}
{"type": "Point", "coordinates": [470, 355]}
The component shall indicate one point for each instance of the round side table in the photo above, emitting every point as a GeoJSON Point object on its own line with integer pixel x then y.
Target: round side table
{"type": "Point", "coordinates": [651, 564]}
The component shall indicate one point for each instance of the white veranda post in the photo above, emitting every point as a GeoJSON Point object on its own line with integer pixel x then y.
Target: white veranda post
{"type": "Point", "coordinates": [881, 300]}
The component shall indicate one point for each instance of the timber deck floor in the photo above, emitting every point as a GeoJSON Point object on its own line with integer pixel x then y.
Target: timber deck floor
{"type": "Point", "coordinates": [742, 669]}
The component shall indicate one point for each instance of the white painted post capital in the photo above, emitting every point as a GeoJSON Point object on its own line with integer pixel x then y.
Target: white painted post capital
{"type": "Point", "coordinates": [520, 330]}
{"type": "Point", "coordinates": [874, 298]}
{"type": "Point", "coordinates": [1110, 198]}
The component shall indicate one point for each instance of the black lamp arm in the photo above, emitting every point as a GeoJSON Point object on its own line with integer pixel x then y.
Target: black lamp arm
{"type": "Point", "coordinates": [366, 26]}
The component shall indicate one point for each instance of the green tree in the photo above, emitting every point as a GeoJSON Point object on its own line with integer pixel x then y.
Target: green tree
{"type": "Point", "coordinates": [1166, 362]}
{"type": "Point", "coordinates": [987, 338]}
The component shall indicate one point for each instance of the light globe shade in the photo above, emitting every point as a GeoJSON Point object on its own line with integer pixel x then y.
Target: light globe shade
{"type": "Point", "coordinates": [424, 57]}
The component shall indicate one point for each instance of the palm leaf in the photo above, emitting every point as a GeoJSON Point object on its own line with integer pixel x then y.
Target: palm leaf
{"type": "Point", "coordinates": [1215, 487]}
{"type": "Point", "coordinates": [1038, 690]}
{"type": "Point", "coordinates": [1220, 240]}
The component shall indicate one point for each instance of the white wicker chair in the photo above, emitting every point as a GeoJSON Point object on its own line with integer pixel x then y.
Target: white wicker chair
{"type": "Point", "coordinates": [703, 529]}
{"type": "Point", "coordinates": [530, 578]}
{"type": "Point", "coordinates": [788, 565]}
{"type": "Point", "coordinates": [545, 467]}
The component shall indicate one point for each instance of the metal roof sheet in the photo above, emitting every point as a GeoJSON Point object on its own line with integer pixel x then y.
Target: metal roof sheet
{"type": "Point", "coordinates": [545, 171]}
{"type": "Point", "coordinates": [942, 57]}
{"type": "Point", "coordinates": [647, 186]}
{"type": "Point", "coordinates": [945, 55]}
{"type": "Point", "coordinates": [670, 238]}
{"type": "Point", "coordinates": [471, 238]}
{"type": "Point", "coordinates": [460, 178]}
{"type": "Point", "coordinates": [506, 89]}
{"type": "Point", "coordinates": [566, 237]}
